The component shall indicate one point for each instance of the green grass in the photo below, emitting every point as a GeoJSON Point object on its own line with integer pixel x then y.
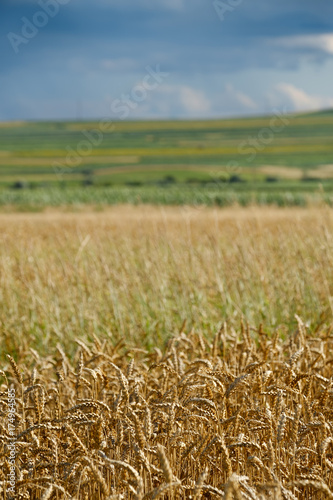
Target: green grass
{"type": "Point", "coordinates": [244, 194]}
{"type": "Point", "coordinates": [175, 153]}
{"type": "Point", "coordinates": [135, 273]}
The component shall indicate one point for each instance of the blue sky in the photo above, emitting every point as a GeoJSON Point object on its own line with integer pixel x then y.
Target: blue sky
{"type": "Point", "coordinates": [223, 58]}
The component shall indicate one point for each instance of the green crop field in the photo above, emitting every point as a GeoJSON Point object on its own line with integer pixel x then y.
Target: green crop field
{"type": "Point", "coordinates": [283, 159]}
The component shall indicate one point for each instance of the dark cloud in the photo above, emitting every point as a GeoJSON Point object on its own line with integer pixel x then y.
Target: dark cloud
{"type": "Point", "coordinates": [187, 37]}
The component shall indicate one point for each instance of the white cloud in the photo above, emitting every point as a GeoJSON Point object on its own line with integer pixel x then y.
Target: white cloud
{"type": "Point", "coordinates": [194, 101]}
{"type": "Point", "coordinates": [321, 42]}
{"type": "Point", "coordinates": [298, 99]}
{"type": "Point", "coordinates": [235, 97]}
{"type": "Point", "coordinates": [188, 100]}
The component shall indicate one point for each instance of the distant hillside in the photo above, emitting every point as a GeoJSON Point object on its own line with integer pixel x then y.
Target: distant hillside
{"type": "Point", "coordinates": [135, 153]}
{"type": "Point", "coordinates": [322, 112]}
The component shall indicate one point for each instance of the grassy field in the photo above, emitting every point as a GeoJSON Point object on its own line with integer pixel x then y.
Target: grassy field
{"type": "Point", "coordinates": [284, 194]}
{"type": "Point", "coordinates": [65, 275]}
{"type": "Point", "coordinates": [236, 160]}
{"type": "Point", "coordinates": [167, 353]}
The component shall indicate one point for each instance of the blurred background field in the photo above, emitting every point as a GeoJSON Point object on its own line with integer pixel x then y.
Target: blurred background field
{"type": "Point", "coordinates": [163, 162]}
{"type": "Point", "coordinates": [136, 273]}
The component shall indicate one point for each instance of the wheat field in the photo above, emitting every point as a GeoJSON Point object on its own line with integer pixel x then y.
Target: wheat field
{"type": "Point", "coordinates": [167, 353]}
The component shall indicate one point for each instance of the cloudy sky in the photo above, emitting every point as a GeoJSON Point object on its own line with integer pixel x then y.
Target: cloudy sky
{"type": "Point", "coordinates": [63, 59]}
